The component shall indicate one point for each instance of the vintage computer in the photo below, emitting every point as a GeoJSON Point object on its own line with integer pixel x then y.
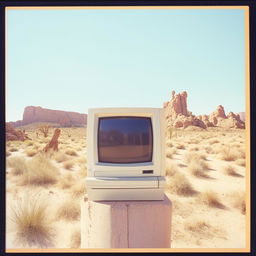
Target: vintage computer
{"type": "Point", "coordinates": [125, 154]}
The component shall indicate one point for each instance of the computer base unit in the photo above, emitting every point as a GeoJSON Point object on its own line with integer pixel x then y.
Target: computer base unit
{"type": "Point", "coordinates": [125, 194]}
{"type": "Point", "coordinates": [125, 188]}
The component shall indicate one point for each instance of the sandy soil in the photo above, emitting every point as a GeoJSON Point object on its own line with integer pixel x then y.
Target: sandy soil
{"type": "Point", "coordinates": [196, 222]}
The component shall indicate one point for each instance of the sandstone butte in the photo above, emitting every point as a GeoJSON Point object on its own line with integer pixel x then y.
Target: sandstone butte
{"type": "Point", "coordinates": [63, 118]}
{"type": "Point", "coordinates": [178, 116]}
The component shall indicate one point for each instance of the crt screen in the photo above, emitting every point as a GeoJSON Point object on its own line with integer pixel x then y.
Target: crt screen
{"type": "Point", "coordinates": [125, 139]}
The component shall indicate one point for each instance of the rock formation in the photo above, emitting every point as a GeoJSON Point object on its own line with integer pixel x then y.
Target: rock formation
{"type": "Point", "coordinates": [13, 134]}
{"type": "Point", "coordinates": [178, 116]}
{"type": "Point", "coordinates": [53, 144]}
{"type": "Point", "coordinates": [63, 118]}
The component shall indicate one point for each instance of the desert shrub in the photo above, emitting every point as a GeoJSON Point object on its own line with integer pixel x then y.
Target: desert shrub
{"type": "Point", "coordinates": [211, 199]}
{"type": "Point", "coordinates": [33, 227]}
{"type": "Point", "coordinates": [71, 152]}
{"type": "Point", "coordinates": [69, 210]}
{"type": "Point", "coordinates": [202, 228]}
{"type": "Point", "coordinates": [228, 154]}
{"type": "Point", "coordinates": [213, 141]}
{"type": "Point", "coordinates": [75, 239]}
{"type": "Point", "coordinates": [31, 152]}
{"type": "Point", "coordinates": [60, 157]}
{"type": "Point", "coordinates": [13, 150]}
{"type": "Point", "coordinates": [197, 168]}
{"type": "Point", "coordinates": [238, 200]}
{"type": "Point", "coordinates": [82, 171]}
{"type": "Point", "coordinates": [17, 164]}
{"type": "Point", "coordinates": [79, 189]}
{"type": "Point", "coordinates": [7, 153]}
{"type": "Point", "coordinates": [82, 160]}
{"type": "Point", "coordinates": [240, 162]}
{"type": "Point", "coordinates": [68, 164]}
{"type": "Point", "coordinates": [231, 171]}
{"type": "Point", "coordinates": [180, 146]}
{"type": "Point", "coordinates": [171, 168]}
{"type": "Point", "coordinates": [180, 185]}
{"type": "Point", "coordinates": [194, 157]}
{"type": "Point", "coordinates": [66, 181]}
{"type": "Point", "coordinates": [208, 150]}
{"type": "Point", "coordinates": [40, 171]}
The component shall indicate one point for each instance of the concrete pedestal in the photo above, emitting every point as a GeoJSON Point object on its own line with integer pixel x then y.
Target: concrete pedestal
{"type": "Point", "coordinates": [126, 224]}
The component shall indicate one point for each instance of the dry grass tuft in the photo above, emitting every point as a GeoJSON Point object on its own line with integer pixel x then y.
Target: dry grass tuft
{"type": "Point", "coordinates": [68, 164]}
{"type": "Point", "coordinates": [13, 150]}
{"type": "Point", "coordinates": [7, 153]}
{"type": "Point", "coordinates": [79, 189]}
{"type": "Point", "coordinates": [69, 210]}
{"type": "Point", "coordinates": [66, 181]}
{"type": "Point", "coordinates": [82, 171]}
{"type": "Point", "coordinates": [180, 146]}
{"type": "Point", "coordinates": [71, 152]}
{"type": "Point", "coordinates": [202, 228]}
{"type": "Point", "coordinates": [211, 199]}
{"type": "Point", "coordinates": [171, 168]}
{"type": "Point", "coordinates": [32, 224]}
{"type": "Point", "coordinates": [40, 171]}
{"type": "Point", "coordinates": [228, 154]}
{"type": "Point", "coordinates": [75, 239]}
{"type": "Point", "coordinates": [238, 200]}
{"type": "Point", "coordinates": [60, 157]}
{"type": "Point", "coordinates": [17, 164]}
{"type": "Point", "coordinates": [180, 185]}
{"type": "Point", "coordinates": [31, 152]}
{"type": "Point", "coordinates": [230, 170]}
{"type": "Point", "coordinates": [197, 168]}
{"type": "Point", "coordinates": [240, 162]}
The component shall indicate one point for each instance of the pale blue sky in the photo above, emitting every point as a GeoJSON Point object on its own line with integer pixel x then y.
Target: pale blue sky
{"type": "Point", "coordinates": [78, 59]}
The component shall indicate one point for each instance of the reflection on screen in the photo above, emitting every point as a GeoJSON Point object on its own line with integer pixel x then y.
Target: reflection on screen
{"type": "Point", "coordinates": [125, 139]}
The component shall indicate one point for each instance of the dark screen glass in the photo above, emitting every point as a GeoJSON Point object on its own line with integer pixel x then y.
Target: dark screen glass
{"type": "Point", "coordinates": [125, 139]}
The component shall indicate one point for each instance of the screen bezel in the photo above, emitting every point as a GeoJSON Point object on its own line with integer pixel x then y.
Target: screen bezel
{"type": "Point", "coordinates": [125, 163]}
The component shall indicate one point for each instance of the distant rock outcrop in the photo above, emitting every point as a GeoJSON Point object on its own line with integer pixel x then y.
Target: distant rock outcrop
{"type": "Point", "coordinates": [13, 134]}
{"type": "Point", "coordinates": [178, 116]}
{"type": "Point", "coordinates": [63, 118]}
{"type": "Point", "coordinates": [242, 116]}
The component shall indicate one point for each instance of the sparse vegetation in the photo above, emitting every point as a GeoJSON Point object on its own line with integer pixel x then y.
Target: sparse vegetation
{"type": "Point", "coordinates": [71, 152]}
{"type": "Point", "coordinates": [33, 227]}
{"type": "Point", "coordinates": [69, 210]}
{"type": "Point", "coordinates": [68, 164]}
{"type": "Point", "coordinates": [180, 185]}
{"type": "Point", "coordinates": [31, 152]}
{"type": "Point", "coordinates": [230, 170]}
{"type": "Point", "coordinates": [75, 239]}
{"type": "Point", "coordinates": [40, 171]}
{"type": "Point", "coordinates": [17, 164]}
{"type": "Point", "coordinates": [211, 199]}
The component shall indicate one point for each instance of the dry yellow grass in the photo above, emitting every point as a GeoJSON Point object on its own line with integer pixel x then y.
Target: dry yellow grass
{"type": "Point", "coordinates": [17, 164]}
{"type": "Point", "coordinates": [240, 162]}
{"type": "Point", "coordinates": [82, 171]}
{"type": "Point", "coordinates": [66, 181]}
{"type": "Point", "coordinates": [68, 164]}
{"type": "Point", "coordinates": [228, 154]}
{"type": "Point", "coordinates": [203, 229]}
{"type": "Point", "coordinates": [13, 149]}
{"type": "Point", "coordinates": [71, 152]}
{"type": "Point", "coordinates": [79, 189]}
{"type": "Point", "coordinates": [75, 239]}
{"type": "Point", "coordinates": [69, 210]}
{"type": "Point", "coordinates": [31, 152]}
{"type": "Point", "coordinates": [198, 168]}
{"type": "Point", "coordinates": [171, 168]}
{"type": "Point", "coordinates": [40, 171]}
{"type": "Point", "coordinates": [238, 200]}
{"type": "Point", "coordinates": [211, 199]}
{"type": "Point", "coordinates": [230, 170]}
{"type": "Point", "coordinates": [180, 185]}
{"type": "Point", "coordinates": [33, 227]}
{"type": "Point", "coordinates": [60, 157]}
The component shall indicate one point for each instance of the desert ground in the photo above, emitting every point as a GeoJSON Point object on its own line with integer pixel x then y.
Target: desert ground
{"type": "Point", "coordinates": [205, 171]}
